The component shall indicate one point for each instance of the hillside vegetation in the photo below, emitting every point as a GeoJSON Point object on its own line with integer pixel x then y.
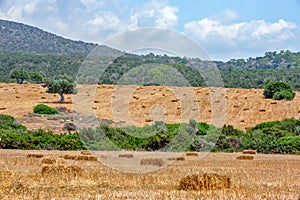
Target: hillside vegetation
{"type": "Point", "coordinates": [19, 37]}
{"type": "Point", "coordinates": [35, 50]}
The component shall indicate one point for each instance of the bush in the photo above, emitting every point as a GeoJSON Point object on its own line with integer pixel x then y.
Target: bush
{"type": "Point", "coordinates": [278, 90]}
{"type": "Point", "coordinates": [44, 109]}
{"type": "Point", "coordinates": [8, 122]}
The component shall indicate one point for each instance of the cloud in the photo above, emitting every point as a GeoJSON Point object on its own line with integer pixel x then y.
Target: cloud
{"type": "Point", "coordinates": [154, 14]}
{"type": "Point", "coordinates": [252, 36]}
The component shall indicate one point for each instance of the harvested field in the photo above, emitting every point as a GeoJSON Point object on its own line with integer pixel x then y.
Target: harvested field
{"type": "Point", "coordinates": [265, 177]}
{"type": "Point", "coordinates": [244, 107]}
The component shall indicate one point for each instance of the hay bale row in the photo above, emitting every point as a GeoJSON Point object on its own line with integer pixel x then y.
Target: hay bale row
{"type": "Point", "coordinates": [245, 157]}
{"type": "Point", "coordinates": [204, 181]}
{"type": "Point", "coordinates": [249, 151]}
{"type": "Point", "coordinates": [61, 170]}
{"type": "Point", "coordinates": [33, 155]}
{"type": "Point", "coordinates": [192, 153]}
{"type": "Point", "coordinates": [126, 155]}
{"type": "Point", "coordinates": [152, 161]}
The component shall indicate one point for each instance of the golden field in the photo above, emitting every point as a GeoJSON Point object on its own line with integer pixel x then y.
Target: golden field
{"type": "Point", "coordinates": [30, 175]}
{"type": "Point", "coordinates": [136, 105]}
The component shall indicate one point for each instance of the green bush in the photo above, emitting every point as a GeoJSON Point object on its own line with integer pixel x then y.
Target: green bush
{"type": "Point", "coordinates": [9, 123]}
{"type": "Point", "coordinates": [39, 139]}
{"type": "Point", "coordinates": [278, 90]}
{"type": "Point", "coordinates": [44, 109]}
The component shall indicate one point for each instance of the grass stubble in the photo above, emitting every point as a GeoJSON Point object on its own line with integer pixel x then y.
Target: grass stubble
{"type": "Point", "coordinates": [265, 177]}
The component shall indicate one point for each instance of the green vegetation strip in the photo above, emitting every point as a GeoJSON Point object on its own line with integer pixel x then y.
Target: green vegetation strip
{"type": "Point", "coordinates": [281, 137]}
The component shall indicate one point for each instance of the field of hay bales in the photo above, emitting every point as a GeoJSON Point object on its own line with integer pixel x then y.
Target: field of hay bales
{"type": "Point", "coordinates": [216, 176]}
{"type": "Point", "coordinates": [141, 105]}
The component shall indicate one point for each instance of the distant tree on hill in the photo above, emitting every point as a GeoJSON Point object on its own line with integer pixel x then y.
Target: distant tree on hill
{"type": "Point", "coordinates": [278, 90]}
{"type": "Point", "coordinates": [61, 85]}
{"type": "Point", "coordinates": [20, 75]}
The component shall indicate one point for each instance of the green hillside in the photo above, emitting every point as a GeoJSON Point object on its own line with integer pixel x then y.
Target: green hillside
{"type": "Point", "coordinates": [19, 37]}
{"type": "Point", "coordinates": [32, 49]}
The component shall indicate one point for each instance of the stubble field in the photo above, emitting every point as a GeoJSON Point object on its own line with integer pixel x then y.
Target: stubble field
{"type": "Point", "coordinates": [57, 175]}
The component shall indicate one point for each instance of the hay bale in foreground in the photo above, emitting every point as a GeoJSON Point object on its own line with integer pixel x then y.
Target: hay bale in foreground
{"type": "Point", "coordinates": [204, 181]}
{"type": "Point", "coordinates": [152, 161]}
{"type": "Point", "coordinates": [61, 170]}
{"type": "Point", "coordinates": [192, 153]}
{"type": "Point", "coordinates": [249, 151]}
{"type": "Point", "coordinates": [33, 155]}
{"type": "Point", "coordinates": [245, 157]}
{"type": "Point", "coordinates": [126, 155]}
{"type": "Point", "coordinates": [6, 177]}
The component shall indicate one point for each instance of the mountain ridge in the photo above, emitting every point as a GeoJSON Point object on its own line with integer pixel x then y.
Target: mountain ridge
{"type": "Point", "coordinates": [19, 37]}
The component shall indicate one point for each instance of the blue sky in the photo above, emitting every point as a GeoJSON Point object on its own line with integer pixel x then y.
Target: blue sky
{"type": "Point", "coordinates": [224, 28]}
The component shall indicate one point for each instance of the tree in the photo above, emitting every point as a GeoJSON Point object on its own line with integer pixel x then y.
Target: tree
{"type": "Point", "coordinates": [61, 85]}
{"type": "Point", "coordinates": [36, 77]}
{"type": "Point", "coordinates": [19, 74]}
{"type": "Point", "coordinates": [278, 90]}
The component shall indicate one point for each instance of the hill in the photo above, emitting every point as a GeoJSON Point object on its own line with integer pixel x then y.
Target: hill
{"type": "Point", "coordinates": [18, 37]}
{"type": "Point", "coordinates": [30, 48]}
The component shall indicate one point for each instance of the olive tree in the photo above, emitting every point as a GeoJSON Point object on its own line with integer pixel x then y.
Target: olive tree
{"type": "Point", "coordinates": [278, 90]}
{"type": "Point", "coordinates": [61, 85]}
{"type": "Point", "coordinates": [19, 74]}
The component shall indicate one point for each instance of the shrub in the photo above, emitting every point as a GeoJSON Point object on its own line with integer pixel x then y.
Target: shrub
{"type": "Point", "coordinates": [44, 109]}
{"type": "Point", "coordinates": [278, 90]}
{"type": "Point", "coordinates": [8, 122]}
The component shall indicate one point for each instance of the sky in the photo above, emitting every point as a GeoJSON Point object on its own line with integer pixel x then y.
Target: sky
{"type": "Point", "coordinates": [225, 29]}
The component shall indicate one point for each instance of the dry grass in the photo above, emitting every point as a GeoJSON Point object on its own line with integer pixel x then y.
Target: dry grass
{"type": "Point", "coordinates": [126, 155]}
{"type": "Point", "coordinates": [204, 181]}
{"type": "Point", "coordinates": [192, 153]}
{"type": "Point", "coordinates": [152, 161]}
{"type": "Point", "coordinates": [245, 157]}
{"type": "Point", "coordinates": [249, 151]}
{"type": "Point", "coordinates": [265, 177]}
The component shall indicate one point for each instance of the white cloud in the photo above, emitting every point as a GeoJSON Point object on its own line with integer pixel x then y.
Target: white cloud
{"type": "Point", "coordinates": [168, 17]}
{"type": "Point", "coordinates": [154, 14]}
{"type": "Point", "coordinates": [252, 36]}
{"type": "Point", "coordinates": [107, 21]}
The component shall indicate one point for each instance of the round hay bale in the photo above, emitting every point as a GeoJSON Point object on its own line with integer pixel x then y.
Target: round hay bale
{"type": "Point", "coordinates": [6, 177]}
{"type": "Point", "coordinates": [204, 181]}
{"type": "Point", "coordinates": [87, 158]}
{"type": "Point", "coordinates": [152, 161]}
